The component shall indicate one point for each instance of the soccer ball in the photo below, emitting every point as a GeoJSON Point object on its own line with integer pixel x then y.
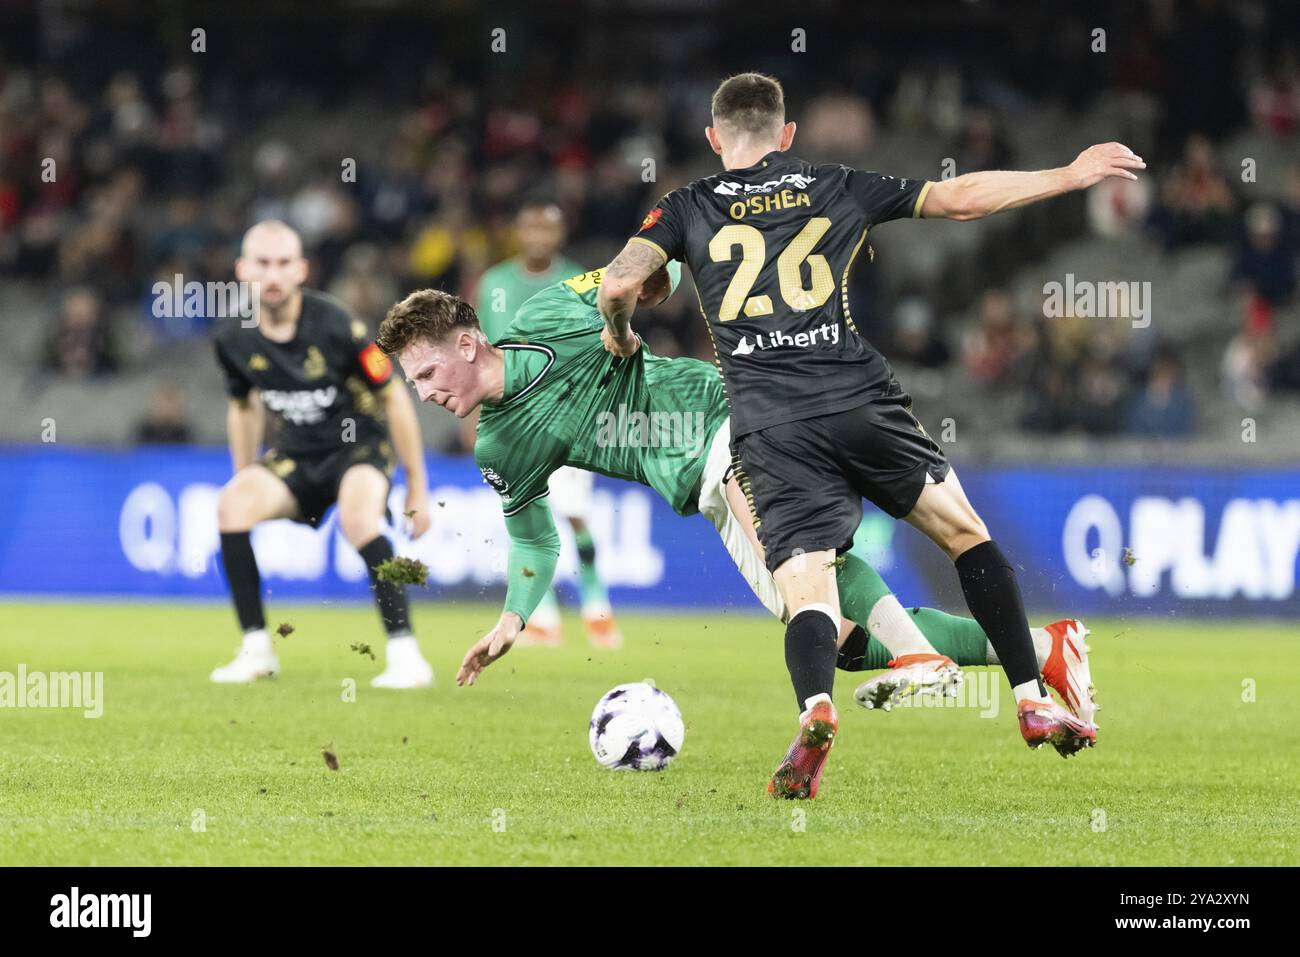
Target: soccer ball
{"type": "Point", "coordinates": [636, 727]}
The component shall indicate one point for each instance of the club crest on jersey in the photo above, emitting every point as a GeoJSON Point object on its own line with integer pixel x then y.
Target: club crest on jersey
{"type": "Point", "coordinates": [496, 481]}
{"type": "Point", "coordinates": [258, 363]}
{"type": "Point", "coordinates": [314, 365]}
{"type": "Point", "coordinates": [797, 180]}
{"type": "Point", "coordinates": [651, 218]}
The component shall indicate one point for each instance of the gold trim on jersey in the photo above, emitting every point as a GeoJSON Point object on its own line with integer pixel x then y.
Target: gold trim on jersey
{"type": "Point", "coordinates": [742, 480]}
{"type": "Point", "coordinates": [713, 344]}
{"type": "Point", "coordinates": [844, 282]}
{"type": "Point", "coordinates": [279, 463]}
{"type": "Point", "coordinates": [652, 244]}
{"type": "Point", "coordinates": [920, 199]}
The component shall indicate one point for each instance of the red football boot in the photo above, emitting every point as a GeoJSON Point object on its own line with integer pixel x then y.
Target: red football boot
{"type": "Point", "coordinates": [1046, 722]}
{"type": "Point", "coordinates": [800, 771]}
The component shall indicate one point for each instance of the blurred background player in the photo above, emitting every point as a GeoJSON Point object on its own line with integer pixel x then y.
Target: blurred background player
{"type": "Point", "coordinates": [540, 232]}
{"type": "Point", "coordinates": [337, 419]}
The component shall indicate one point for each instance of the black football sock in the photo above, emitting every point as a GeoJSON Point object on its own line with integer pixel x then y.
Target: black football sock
{"type": "Point", "coordinates": [993, 597]}
{"type": "Point", "coordinates": [853, 651]}
{"type": "Point", "coordinates": [810, 654]}
{"type": "Point", "coordinates": [244, 579]}
{"type": "Point", "coordinates": [390, 598]}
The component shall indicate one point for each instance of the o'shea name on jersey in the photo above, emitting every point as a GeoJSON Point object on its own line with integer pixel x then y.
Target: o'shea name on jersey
{"type": "Point", "coordinates": [770, 248]}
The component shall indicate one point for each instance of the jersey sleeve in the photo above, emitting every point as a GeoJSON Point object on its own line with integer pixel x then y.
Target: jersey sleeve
{"type": "Point", "coordinates": [511, 474]}
{"type": "Point", "coordinates": [376, 368]}
{"type": "Point", "coordinates": [883, 198]}
{"type": "Point", "coordinates": [664, 227]}
{"type": "Point", "coordinates": [534, 551]}
{"type": "Point", "coordinates": [238, 384]}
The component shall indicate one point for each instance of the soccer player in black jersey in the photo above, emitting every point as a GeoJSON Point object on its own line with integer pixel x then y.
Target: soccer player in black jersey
{"type": "Point", "coordinates": [818, 419]}
{"type": "Point", "coordinates": [337, 420]}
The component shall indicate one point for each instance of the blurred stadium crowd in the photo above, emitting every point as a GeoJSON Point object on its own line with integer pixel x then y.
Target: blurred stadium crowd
{"type": "Point", "coordinates": [161, 157]}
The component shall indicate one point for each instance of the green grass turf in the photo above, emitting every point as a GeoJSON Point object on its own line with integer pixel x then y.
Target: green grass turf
{"type": "Point", "coordinates": [1186, 772]}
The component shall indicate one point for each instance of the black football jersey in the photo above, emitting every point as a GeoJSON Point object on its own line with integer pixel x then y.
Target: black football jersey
{"type": "Point", "coordinates": [330, 371]}
{"type": "Point", "coordinates": [770, 249]}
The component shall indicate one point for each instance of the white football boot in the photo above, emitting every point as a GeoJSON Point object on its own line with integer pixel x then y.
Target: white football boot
{"type": "Point", "coordinates": [255, 659]}
{"type": "Point", "coordinates": [1066, 670]}
{"type": "Point", "coordinates": [919, 674]}
{"type": "Point", "coordinates": [404, 666]}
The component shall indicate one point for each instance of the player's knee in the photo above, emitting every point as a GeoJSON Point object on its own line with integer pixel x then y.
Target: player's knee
{"type": "Point", "coordinates": [235, 508]}
{"type": "Point", "coordinates": [965, 534]}
{"type": "Point", "coordinates": [360, 526]}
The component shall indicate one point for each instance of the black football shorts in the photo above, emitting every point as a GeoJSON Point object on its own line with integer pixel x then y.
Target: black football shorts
{"type": "Point", "coordinates": [806, 479]}
{"type": "Point", "coordinates": [314, 478]}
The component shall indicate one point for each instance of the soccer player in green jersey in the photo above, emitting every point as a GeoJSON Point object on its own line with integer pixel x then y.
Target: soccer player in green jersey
{"type": "Point", "coordinates": [539, 230]}
{"type": "Point", "coordinates": [550, 395]}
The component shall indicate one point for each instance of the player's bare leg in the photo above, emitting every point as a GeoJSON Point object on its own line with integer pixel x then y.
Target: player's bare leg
{"type": "Point", "coordinates": [945, 515]}
{"type": "Point", "coordinates": [915, 666]}
{"type": "Point", "coordinates": [254, 495]}
{"type": "Point", "coordinates": [807, 584]}
{"type": "Point", "coordinates": [363, 494]}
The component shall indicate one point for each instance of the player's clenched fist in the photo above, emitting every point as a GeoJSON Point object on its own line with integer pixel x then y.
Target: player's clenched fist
{"type": "Point", "coordinates": [620, 347]}
{"type": "Point", "coordinates": [489, 648]}
{"type": "Point", "coordinates": [1102, 161]}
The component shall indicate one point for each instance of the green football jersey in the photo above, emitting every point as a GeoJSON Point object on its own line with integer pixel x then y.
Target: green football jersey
{"type": "Point", "coordinates": [567, 401]}
{"type": "Point", "coordinates": [508, 285]}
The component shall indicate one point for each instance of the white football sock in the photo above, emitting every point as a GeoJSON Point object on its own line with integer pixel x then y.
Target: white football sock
{"type": "Point", "coordinates": [257, 642]}
{"type": "Point", "coordinates": [402, 649]}
{"type": "Point", "coordinates": [1029, 691]}
{"type": "Point", "coordinates": [547, 614]}
{"type": "Point", "coordinates": [1042, 648]}
{"type": "Point", "coordinates": [891, 625]}
{"type": "Point", "coordinates": [809, 702]}
{"type": "Point", "coordinates": [596, 609]}
{"type": "Point", "coordinates": [822, 607]}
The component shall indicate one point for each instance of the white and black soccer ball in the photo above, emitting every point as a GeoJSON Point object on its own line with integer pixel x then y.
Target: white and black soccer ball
{"type": "Point", "coordinates": [636, 727]}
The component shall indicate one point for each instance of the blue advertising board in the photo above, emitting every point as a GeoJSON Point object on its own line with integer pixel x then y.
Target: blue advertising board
{"type": "Point", "coordinates": [142, 523]}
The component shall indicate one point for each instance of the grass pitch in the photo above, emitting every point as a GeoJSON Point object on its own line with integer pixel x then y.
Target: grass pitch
{"type": "Point", "coordinates": [1188, 770]}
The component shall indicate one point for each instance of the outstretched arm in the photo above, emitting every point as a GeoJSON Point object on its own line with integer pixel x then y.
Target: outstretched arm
{"type": "Point", "coordinates": [976, 195]}
{"type": "Point", "coordinates": [534, 549]}
{"type": "Point", "coordinates": [619, 289]}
